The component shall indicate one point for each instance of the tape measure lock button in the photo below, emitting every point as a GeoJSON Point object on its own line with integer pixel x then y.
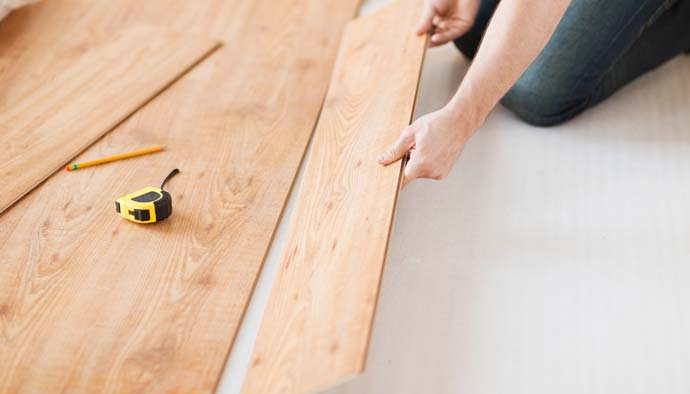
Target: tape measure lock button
{"type": "Point", "coordinates": [147, 205]}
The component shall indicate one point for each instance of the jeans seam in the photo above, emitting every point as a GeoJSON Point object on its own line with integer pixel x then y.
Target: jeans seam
{"type": "Point", "coordinates": [664, 7]}
{"type": "Point", "coordinates": [579, 80]}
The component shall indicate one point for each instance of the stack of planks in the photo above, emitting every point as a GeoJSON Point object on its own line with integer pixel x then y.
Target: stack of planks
{"type": "Point", "coordinates": [89, 302]}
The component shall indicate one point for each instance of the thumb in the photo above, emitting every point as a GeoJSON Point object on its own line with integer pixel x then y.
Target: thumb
{"type": "Point", "coordinates": [399, 148]}
{"type": "Point", "coordinates": [413, 170]}
{"type": "Point", "coordinates": [426, 22]}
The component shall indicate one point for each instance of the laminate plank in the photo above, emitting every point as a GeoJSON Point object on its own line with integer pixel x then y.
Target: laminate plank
{"type": "Point", "coordinates": [41, 40]}
{"type": "Point", "coordinates": [92, 303]}
{"type": "Point", "coordinates": [317, 324]}
{"type": "Point", "coordinates": [63, 115]}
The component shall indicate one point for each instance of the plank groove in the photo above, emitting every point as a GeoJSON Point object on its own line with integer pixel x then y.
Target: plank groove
{"type": "Point", "coordinates": [65, 114]}
{"type": "Point", "coordinates": [92, 303]}
{"type": "Point", "coordinates": [317, 325]}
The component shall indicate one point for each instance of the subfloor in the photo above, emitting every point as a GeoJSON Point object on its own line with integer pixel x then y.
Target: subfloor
{"type": "Point", "coordinates": [550, 261]}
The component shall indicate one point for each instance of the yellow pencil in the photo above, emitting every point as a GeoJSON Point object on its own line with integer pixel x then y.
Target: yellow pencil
{"type": "Point", "coordinates": [77, 166]}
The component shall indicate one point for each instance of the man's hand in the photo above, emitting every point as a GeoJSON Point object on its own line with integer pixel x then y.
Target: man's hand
{"type": "Point", "coordinates": [434, 142]}
{"type": "Point", "coordinates": [509, 46]}
{"type": "Point", "coordinates": [447, 19]}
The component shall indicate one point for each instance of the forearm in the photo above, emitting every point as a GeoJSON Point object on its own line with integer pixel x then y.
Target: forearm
{"type": "Point", "coordinates": [517, 33]}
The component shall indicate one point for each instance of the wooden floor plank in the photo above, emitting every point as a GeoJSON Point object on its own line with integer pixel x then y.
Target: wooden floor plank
{"type": "Point", "coordinates": [41, 40]}
{"type": "Point", "coordinates": [92, 303]}
{"type": "Point", "coordinates": [62, 116]}
{"type": "Point", "coordinates": [317, 325]}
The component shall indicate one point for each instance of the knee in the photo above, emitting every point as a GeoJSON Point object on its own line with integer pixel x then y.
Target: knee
{"type": "Point", "coordinates": [542, 101]}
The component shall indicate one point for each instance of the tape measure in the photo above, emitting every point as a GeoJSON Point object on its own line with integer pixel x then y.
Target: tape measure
{"type": "Point", "coordinates": [148, 205]}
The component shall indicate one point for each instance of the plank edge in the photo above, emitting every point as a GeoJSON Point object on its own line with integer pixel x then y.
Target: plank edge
{"type": "Point", "coordinates": [213, 46]}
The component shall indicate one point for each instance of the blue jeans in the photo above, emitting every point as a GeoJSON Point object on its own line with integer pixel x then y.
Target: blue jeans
{"type": "Point", "coordinates": [599, 46]}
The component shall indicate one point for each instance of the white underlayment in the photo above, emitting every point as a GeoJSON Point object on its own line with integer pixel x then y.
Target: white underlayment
{"type": "Point", "coordinates": [550, 261]}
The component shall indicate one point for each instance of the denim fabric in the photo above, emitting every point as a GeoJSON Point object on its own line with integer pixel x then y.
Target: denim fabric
{"type": "Point", "coordinates": [599, 46]}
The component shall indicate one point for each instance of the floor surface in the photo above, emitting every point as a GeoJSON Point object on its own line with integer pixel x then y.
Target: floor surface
{"type": "Point", "coordinates": [551, 260]}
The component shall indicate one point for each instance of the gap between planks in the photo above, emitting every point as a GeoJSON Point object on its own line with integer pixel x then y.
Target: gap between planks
{"type": "Point", "coordinates": [164, 317]}
{"type": "Point", "coordinates": [68, 112]}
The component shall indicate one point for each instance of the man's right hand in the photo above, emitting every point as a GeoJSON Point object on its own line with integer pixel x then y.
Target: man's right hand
{"type": "Point", "coordinates": [447, 19]}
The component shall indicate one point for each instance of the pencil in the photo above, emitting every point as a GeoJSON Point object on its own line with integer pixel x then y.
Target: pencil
{"type": "Point", "coordinates": [77, 166]}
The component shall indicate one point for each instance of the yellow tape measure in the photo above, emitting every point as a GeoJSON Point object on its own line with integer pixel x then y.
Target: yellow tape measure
{"type": "Point", "coordinates": [148, 205]}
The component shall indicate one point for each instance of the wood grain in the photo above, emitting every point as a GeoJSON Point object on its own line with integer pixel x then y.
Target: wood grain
{"type": "Point", "coordinates": [40, 41]}
{"type": "Point", "coordinates": [62, 116]}
{"type": "Point", "coordinates": [317, 324]}
{"type": "Point", "coordinates": [92, 303]}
